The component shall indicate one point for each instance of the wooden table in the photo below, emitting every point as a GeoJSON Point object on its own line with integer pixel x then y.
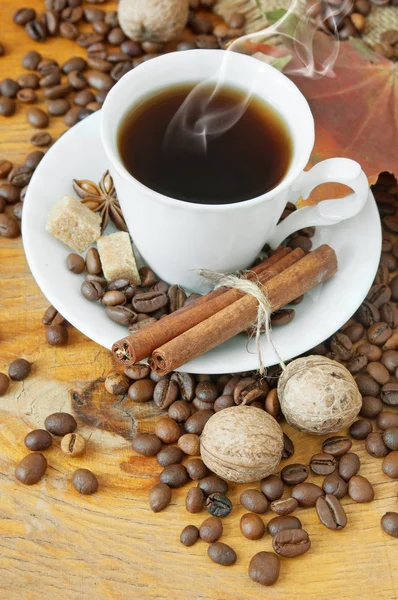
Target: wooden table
{"type": "Point", "coordinates": [57, 543]}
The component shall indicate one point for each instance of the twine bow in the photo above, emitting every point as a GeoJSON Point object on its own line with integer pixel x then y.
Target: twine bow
{"type": "Point", "coordinates": [253, 288]}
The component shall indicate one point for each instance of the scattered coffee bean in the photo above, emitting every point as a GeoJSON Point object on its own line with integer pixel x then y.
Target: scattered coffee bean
{"type": "Point", "coordinates": [355, 332]}
{"type": "Point", "coordinates": [389, 394]}
{"type": "Point", "coordinates": [330, 512]}
{"type": "Point", "coordinates": [288, 446]}
{"type": "Point", "coordinates": [60, 423]}
{"type": "Point", "coordinates": [389, 524]}
{"type": "Point", "coordinates": [9, 226]}
{"type": "Point", "coordinates": [218, 505]}
{"type": "Point", "coordinates": [37, 118]}
{"type": "Point", "coordinates": [75, 263]}
{"type": "Point", "coordinates": [4, 383]}
{"type": "Point", "coordinates": [278, 524]}
{"type": "Point", "coordinates": [189, 535]}
{"type": "Point", "coordinates": [197, 469]}
{"type": "Point", "coordinates": [52, 317]}
{"type": "Point", "coordinates": [213, 484]}
{"type": "Point", "coordinates": [349, 466]}
{"type": "Point", "coordinates": [197, 422]}
{"type": "Point", "coordinates": [194, 500]}
{"type": "Point", "coordinates": [166, 429]}
{"type": "Point", "coordinates": [323, 463]}
{"type": "Point", "coordinates": [307, 494]}
{"type": "Point", "coordinates": [294, 474]}
{"type": "Point", "coordinates": [138, 371]}
{"type": "Point", "coordinates": [375, 445]}
{"type": "Point", "coordinates": [190, 444]}
{"type": "Point", "coordinates": [165, 393]}
{"type": "Point", "coordinates": [57, 335]}
{"type": "Point", "coordinates": [284, 506]}
{"type": "Point", "coordinates": [186, 383]}
{"type": "Point", "coordinates": [175, 476]}
{"type": "Point", "coordinates": [360, 489]}
{"type": "Point", "coordinates": [7, 106]}
{"type": "Point", "coordinates": [390, 465]}
{"type": "Point", "coordinates": [386, 420]}
{"type": "Point", "coordinates": [291, 543]}
{"type": "Point", "coordinates": [38, 440]}
{"type": "Point", "coordinates": [390, 438]}
{"type": "Point", "coordinates": [180, 411]}
{"type": "Point", "coordinates": [19, 369]}
{"type": "Point", "coordinates": [334, 484]}
{"type": "Point", "coordinates": [41, 139]}
{"type": "Point", "coordinates": [23, 16]}
{"type": "Point", "coordinates": [31, 468]}
{"type": "Point", "coordinates": [211, 530]}
{"type": "Point", "coordinates": [337, 445]}
{"type": "Point", "coordinates": [378, 372]}
{"type": "Point", "coordinates": [84, 482]}
{"type": "Point", "coordinates": [171, 455]}
{"type": "Point", "coordinates": [73, 444]}
{"type": "Point", "coordinates": [146, 444]}
{"type": "Point", "coordinates": [272, 487]}
{"type": "Point", "coordinates": [142, 391]}
{"type": "Point", "coordinates": [360, 429]}
{"type": "Point", "coordinates": [252, 526]}
{"type": "Point", "coordinates": [222, 554]}
{"type": "Point", "coordinates": [254, 501]}
{"type": "Point", "coordinates": [10, 193]}
{"type": "Point", "coordinates": [117, 383]}
{"type": "Point", "coordinates": [264, 568]}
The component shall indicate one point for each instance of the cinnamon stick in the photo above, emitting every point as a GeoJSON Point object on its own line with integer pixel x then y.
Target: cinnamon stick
{"type": "Point", "coordinates": [135, 347]}
{"type": "Point", "coordinates": [299, 278]}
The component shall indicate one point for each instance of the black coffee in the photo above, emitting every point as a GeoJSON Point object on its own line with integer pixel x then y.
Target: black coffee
{"type": "Point", "coordinates": [213, 153]}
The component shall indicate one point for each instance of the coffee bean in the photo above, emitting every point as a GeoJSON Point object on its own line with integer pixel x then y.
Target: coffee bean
{"type": "Point", "coordinates": [294, 474]}
{"type": "Point", "coordinates": [36, 30]}
{"type": "Point", "coordinates": [38, 440]}
{"type": "Point", "coordinates": [37, 118]}
{"type": "Point", "coordinates": [390, 438]}
{"type": "Point", "coordinates": [194, 500]}
{"type": "Point", "coordinates": [288, 446]}
{"type": "Point", "coordinates": [5, 167]}
{"type": "Point", "coordinates": [379, 333]}
{"type": "Point", "coordinates": [72, 14]}
{"type": "Point", "coordinates": [9, 87]}
{"type": "Point", "coordinates": [52, 317]}
{"type": "Point", "coordinates": [170, 455]}
{"type": "Point", "coordinates": [9, 226]}
{"type": "Point", "coordinates": [337, 445]}
{"type": "Point", "coordinates": [349, 466]}
{"type": "Point", "coordinates": [252, 526]}
{"type": "Point", "coordinates": [378, 372]}
{"type": "Point", "coordinates": [31, 468]}
{"type": "Point", "coordinates": [85, 482]}
{"type": "Point", "coordinates": [31, 60]}
{"type": "Point", "coordinates": [247, 391]}
{"type": "Point", "coordinates": [174, 476]}
{"type": "Point", "coordinates": [33, 159]}
{"type": "Point", "coordinates": [57, 335]}
{"type": "Point", "coordinates": [146, 444]}
{"type": "Point", "coordinates": [23, 16]}
{"type": "Point", "coordinates": [372, 352]}
{"type": "Point", "coordinates": [58, 107]}
{"type": "Point", "coordinates": [113, 298]}
{"type": "Point", "coordinates": [213, 484]}
{"type": "Point", "coordinates": [323, 464]}
{"type": "Point", "coordinates": [278, 524]}
{"type": "Point", "coordinates": [367, 385]}
{"type": "Point", "coordinates": [148, 302]}
{"type": "Point", "coordinates": [92, 291]}
{"type": "Point", "coordinates": [211, 529]}
{"type": "Point", "coordinates": [386, 420]}
{"type": "Point", "coordinates": [197, 422]}
{"type": "Point", "coordinates": [390, 465]}
{"type": "Point", "coordinates": [73, 444]}
{"type": "Point", "coordinates": [389, 261]}
{"type": "Point", "coordinates": [368, 314]}
{"type": "Point", "coordinates": [142, 391]}
{"type": "Point", "coordinates": [137, 325]}
{"type": "Point", "coordinates": [390, 360]}
{"type": "Point", "coordinates": [4, 383]}
{"type": "Point", "coordinates": [28, 80]}
{"type": "Point", "coordinates": [180, 410]}
{"type": "Point", "coordinates": [307, 494]}
{"type": "Point", "coordinates": [10, 193]}
{"type": "Point", "coordinates": [291, 542]}
{"type": "Point", "coordinates": [189, 535]}
{"type": "Point", "coordinates": [120, 314]}
{"type": "Point", "coordinates": [355, 332]}
{"type": "Point", "coordinates": [116, 383]}
{"type": "Point", "coordinates": [128, 288]}
{"type": "Point", "coordinates": [77, 80]}
{"type": "Point", "coordinates": [57, 5]}
{"type": "Point", "coordinates": [41, 139]}
{"type": "Point", "coordinates": [357, 364]}
{"type": "Point", "coordinates": [223, 402]}
{"type": "Point", "coordinates": [20, 176]}
{"type": "Point", "coordinates": [360, 489]}
{"type": "Point", "coordinates": [7, 106]}
{"type": "Point", "coordinates": [341, 345]}
{"type": "Point", "coordinates": [284, 506]}
{"type": "Point", "coordinates": [19, 369]}
{"type": "Point", "coordinates": [190, 444]}
{"type": "Point", "coordinates": [166, 429]}
{"type": "Point", "coordinates": [375, 445]}
{"type": "Point", "coordinates": [197, 469]}
{"type": "Point", "coordinates": [371, 407]}
{"type": "Point", "coordinates": [378, 295]}
{"type": "Point", "coordinates": [330, 512]}
{"type": "Point", "coordinates": [222, 554]}
{"type": "Point", "coordinates": [218, 505]}
{"type": "Point", "coordinates": [389, 524]}
{"type": "Point", "coordinates": [57, 91]}
{"type": "Point", "coordinates": [75, 263]}
{"type": "Point", "coordinates": [206, 391]}
{"type": "Point", "coordinates": [389, 394]}
{"type": "Point", "coordinates": [254, 501]}
{"type": "Point", "coordinates": [60, 423]}
{"type": "Point", "coordinates": [186, 384]}
{"type": "Point", "coordinates": [394, 288]}
{"type": "Point", "coordinates": [165, 393]}
{"type": "Point", "coordinates": [360, 429]}
{"type": "Point", "coordinates": [335, 485]}
{"type": "Point", "coordinates": [27, 96]}
{"type": "Point", "coordinates": [264, 568]}
{"type": "Point", "coordinates": [272, 487]}
{"type": "Point", "coordinates": [99, 80]}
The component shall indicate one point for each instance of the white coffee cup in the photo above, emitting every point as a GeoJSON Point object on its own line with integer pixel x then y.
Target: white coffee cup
{"type": "Point", "coordinates": [177, 239]}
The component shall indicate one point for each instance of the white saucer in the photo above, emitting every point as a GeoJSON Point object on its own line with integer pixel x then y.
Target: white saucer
{"type": "Point", "coordinates": [79, 154]}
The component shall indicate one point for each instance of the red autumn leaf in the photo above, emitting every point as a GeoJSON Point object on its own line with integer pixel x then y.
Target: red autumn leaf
{"type": "Point", "coordinates": [355, 111]}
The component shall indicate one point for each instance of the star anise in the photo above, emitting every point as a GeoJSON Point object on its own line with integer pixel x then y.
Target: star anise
{"type": "Point", "coordinates": [102, 199]}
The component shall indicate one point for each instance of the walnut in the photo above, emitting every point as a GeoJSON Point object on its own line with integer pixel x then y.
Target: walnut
{"type": "Point", "coordinates": [318, 395]}
{"type": "Point", "coordinates": [154, 20]}
{"type": "Point", "coordinates": [242, 444]}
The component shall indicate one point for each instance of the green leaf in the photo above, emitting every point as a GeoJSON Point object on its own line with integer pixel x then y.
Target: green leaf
{"type": "Point", "coordinates": [275, 15]}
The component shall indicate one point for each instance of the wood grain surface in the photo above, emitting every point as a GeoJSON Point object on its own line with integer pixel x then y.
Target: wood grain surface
{"type": "Point", "coordinates": [55, 543]}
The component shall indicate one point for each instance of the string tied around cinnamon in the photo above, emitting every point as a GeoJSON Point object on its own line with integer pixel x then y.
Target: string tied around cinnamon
{"type": "Point", "coordinates": [253, 288]}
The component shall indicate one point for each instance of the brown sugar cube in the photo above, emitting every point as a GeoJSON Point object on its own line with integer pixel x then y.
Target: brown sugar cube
{"type": "Point", "coordinates": [117, 257]}
{"type": "Point", "coordinates": [73, 223]}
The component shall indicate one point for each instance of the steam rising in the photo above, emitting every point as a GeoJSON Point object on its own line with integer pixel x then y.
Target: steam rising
{"type": "Point", "coordinates": [197, 121]}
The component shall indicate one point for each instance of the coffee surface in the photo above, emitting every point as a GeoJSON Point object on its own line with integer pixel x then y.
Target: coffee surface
{"type": "Point", "coordinates": [220, 148]}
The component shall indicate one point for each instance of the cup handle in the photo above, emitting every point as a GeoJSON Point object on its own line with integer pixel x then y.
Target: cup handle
{"type": "Point", "coordinates": [327, 212]}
